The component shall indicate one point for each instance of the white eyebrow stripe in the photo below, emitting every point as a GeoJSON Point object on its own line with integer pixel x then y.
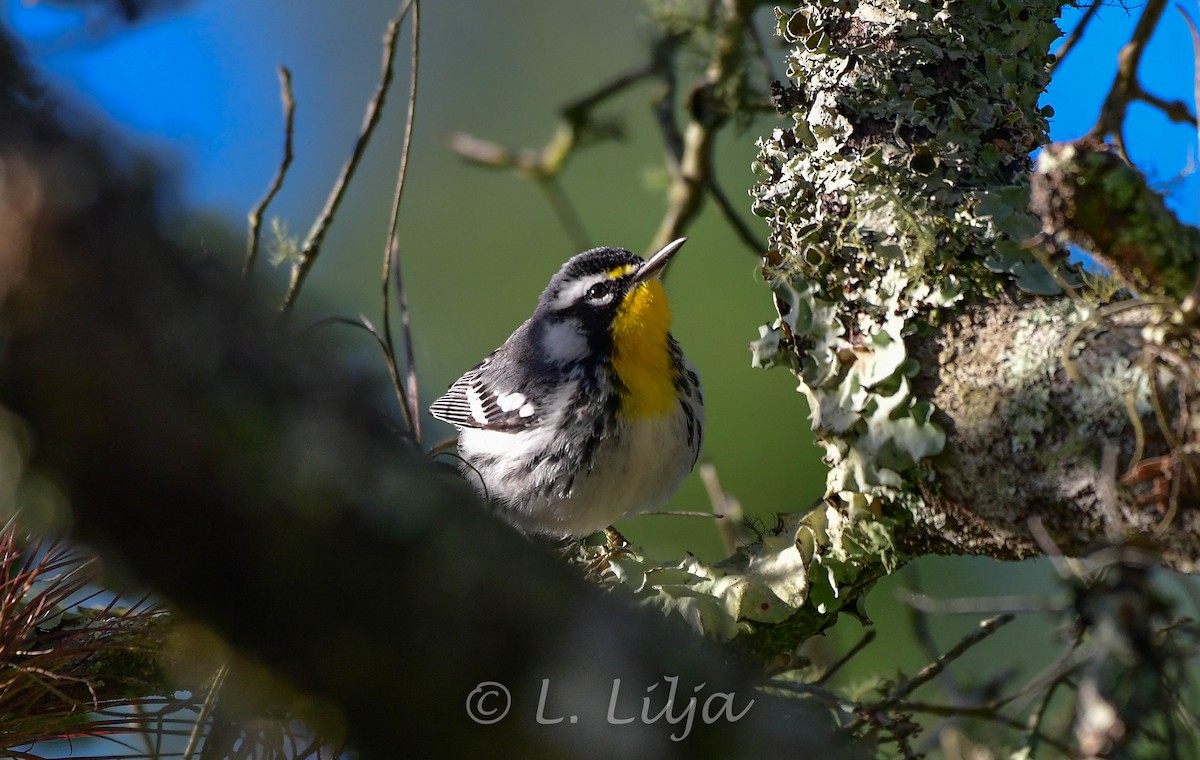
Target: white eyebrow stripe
{"type": "Point", "coordinates": [570, 294]}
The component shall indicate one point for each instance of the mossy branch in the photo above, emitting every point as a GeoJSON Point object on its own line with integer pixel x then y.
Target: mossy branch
{"type": "Point", "coordinates": [1085, 194]}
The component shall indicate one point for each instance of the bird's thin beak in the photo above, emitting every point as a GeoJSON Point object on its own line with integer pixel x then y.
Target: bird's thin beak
{"type": "Point", "coordinates": [655, 263]}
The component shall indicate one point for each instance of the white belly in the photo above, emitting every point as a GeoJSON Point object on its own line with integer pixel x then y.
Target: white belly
{"type": "Point", "coordinates": [633, 471]}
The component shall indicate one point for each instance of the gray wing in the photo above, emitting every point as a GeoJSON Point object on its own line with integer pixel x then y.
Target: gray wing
{"type": "Point", "coordinates": [478, 400]}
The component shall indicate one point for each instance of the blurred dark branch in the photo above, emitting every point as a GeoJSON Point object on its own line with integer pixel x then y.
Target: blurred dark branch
{"type": "Point", "coordinates": [256, 214]}
{"type": "Point", "coordinates": [1085, 194]}
{"type": "Point", "coordinates": [129, 10]}
{"type": "Point", "coordinates": [408, 391]}
{"type": "Point", "coordinates": [311, 248]}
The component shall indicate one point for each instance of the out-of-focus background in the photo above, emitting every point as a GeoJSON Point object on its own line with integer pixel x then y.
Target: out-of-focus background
{"type": "Point", "coordinates": [196, 85]}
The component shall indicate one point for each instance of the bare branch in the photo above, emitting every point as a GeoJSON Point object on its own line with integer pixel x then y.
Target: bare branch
{"type": "Point", "coordinates": [867, 637]}
{"type": "Point", "coordinates": [568, 217]}
{"type": "Point", "coordinates": [547, 163]}
{"type": "Point", "coordinates": [311, 247]}
{"type": "Point", "coordinates": [932, 670]}
{"type": "Point", "coordinates": [752, 240]}
{"type": "Point", "coordinates": [1076, 34]}
{"type": "Point", "coordinates": [407, 392]}
{"type": "Point", "coordinates": [979, 604]}
{"type": "Point", "coordinates": [1126, 87]}
{"type": "Point", "coordinates": [256, 214]}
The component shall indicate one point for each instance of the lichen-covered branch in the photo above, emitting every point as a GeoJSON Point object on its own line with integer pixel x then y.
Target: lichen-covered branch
{"type": "Point", "coordinates": [957, 391]}
{"type": "Point", "coordinates": [949, 377]}
{"type": "Point", "coordinates": [1032, 396]}
{"type": "Point", "coordinates": [897, 196]}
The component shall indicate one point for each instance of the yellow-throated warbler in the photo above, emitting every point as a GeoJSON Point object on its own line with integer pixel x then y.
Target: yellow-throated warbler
{"type": "Point", "coordinates": [589, 412]}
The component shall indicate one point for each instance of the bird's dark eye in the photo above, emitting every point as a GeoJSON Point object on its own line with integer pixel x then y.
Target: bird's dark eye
{"type": "Point", "coordinates": [599, 291]}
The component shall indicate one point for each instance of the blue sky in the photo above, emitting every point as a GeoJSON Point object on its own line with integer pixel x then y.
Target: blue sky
{"type": "Point", "coordinates": [1165, 151]}
{"type": "Point", "coordinates": [200, 85]}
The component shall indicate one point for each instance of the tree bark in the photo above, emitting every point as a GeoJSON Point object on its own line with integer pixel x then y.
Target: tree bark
{"type": "Point", "coordinates": [948, 371]}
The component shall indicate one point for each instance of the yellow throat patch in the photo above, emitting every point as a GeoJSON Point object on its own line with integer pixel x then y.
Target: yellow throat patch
{"type": "Point", "coordinates": [640, 357]}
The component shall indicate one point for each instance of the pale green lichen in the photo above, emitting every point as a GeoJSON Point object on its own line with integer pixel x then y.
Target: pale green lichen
{"type": "Point", "coordinates": [899, 190]}
{"type": "Point", "coordinates": [1036, 355]}
{"type": "Point", "coordinates": [808, 566]}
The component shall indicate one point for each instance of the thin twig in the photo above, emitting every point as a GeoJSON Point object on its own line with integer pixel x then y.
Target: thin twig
{"type": "Point", "coordinates": [1075, 35]}
{"type": "Point", "coordinates": [1125, 87]}
{"type": "Point", "coordinates": [1175, 110]}
{"type": "Point", "coordinates": [813, 690]}
{"type": "Point", "coordinates": [408, 394]}
{"type": "Point", "coordinates": [685, 513]}
{"type": "Point", "coordinates": [256, 214]}
{"type": "Point", "coordinates": [723, 505]}
{"type": "Point", "coordinates": [867, 637]}
{"type": "Point", "coordinates": [978, 605]}
{"type": "Point", "coordinates": [918, 616]}
{"type": "Point", "coordinates": [1033, 731]}
{"type": "Point", "coordinates": [568, 217]}
{"type": "Point", "coordinates": [1045, 542]}
{"type": "Point", "coordinates": [210, 702]}
{"type": "Point", "coordinates": [752, 240]}
{"type": "Point", "coordinates": [981, 712]}
{"type": "Point", "coordinates": [1038, 248]}
{"type": "Point", "coordinates": [312, 244]}
{"type": "Point", "coordinates": [933, 669]}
